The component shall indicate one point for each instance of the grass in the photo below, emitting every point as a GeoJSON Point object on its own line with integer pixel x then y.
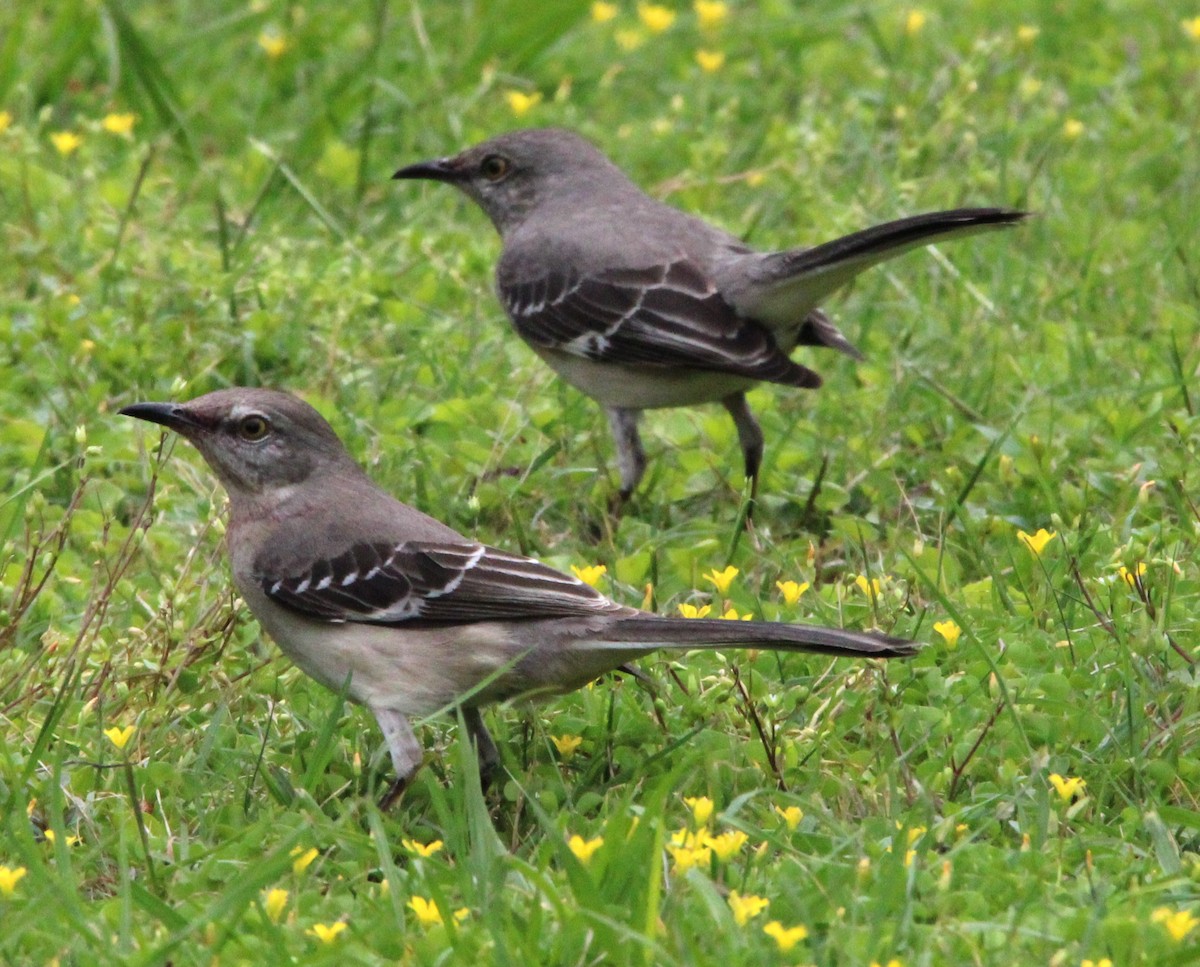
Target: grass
{"type": "Point", "coordinates": [245, 231]}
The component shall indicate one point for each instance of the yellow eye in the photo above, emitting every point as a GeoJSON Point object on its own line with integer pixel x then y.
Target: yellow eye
{"type": "Point", "coordinates": [494, 167]}
{"type": "Point", "coordinates": [254, 427]}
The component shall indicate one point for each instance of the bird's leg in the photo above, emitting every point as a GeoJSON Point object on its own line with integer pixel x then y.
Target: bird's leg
{"type": "Point", "coordinates": [631, 458]}
{"type": "Point", "coordinates": [485, 746]}
{"type": "Point", "coordinates": [750, 436]}
{"type": "Point", "coordinates": [406, 752]}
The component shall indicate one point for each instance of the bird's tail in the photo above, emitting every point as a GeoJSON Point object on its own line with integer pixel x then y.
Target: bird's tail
{"type": "Point", "coordinates": [788, 285]}
{"type": "Point", "coordinates": [650, 632]}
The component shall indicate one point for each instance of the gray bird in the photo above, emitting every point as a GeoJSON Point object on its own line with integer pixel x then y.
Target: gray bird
{"type": "Point", "coordinates": [641, 306]}
{"type": "Point", "coordinates": [364, 592]}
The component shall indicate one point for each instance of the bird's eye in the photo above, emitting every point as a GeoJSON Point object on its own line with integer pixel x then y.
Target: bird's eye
{"type": "Point", "coordinates": [494, 167]}
{"type": "Point", "coordinates": [254, 427]}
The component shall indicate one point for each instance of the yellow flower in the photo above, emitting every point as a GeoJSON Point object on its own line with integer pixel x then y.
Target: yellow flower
{"type": "Point", "coordinates": [701, 807]}
{"type": "Point", "coordinates": [791, 591]}
{"type": "Point", "coordinates": [326, 933]}
{"type": "Point", "coordinates": [1068, 788]}
{"type": "Point", "coordinates": [688, 856]}
{"type": "Point", "coordinates": [5, 121]}
{"type": "Point", "coordinates": [590, 573]}
{"type": "Point", "coordinates": [274, 46]}
{"type": "Point", "coordinates": [1028, 88]}
{"type": "Point", "coordinates": [274, 901]}
{"type": "Point", "coordinates": [786, 937]}
{"type": "Point", "coordinates": [722, 579]}
{"type": "Point", "coordinates": [50, 837]}
{"type": "Point", "coordinates": [655, 17]}
{"type": "Point", "coordinates": [303, 858]}
{"type": "Point", "coordinates": [603, 12]}
{"type": "Point", "coordinates": [950, 632]}
{"type": "Point", "coordinates": [1036, 542]}
{"type": "Point", "coordinates": [710, 61]}
{"type": "Point", "coordinates": [691, 611]}
{"type": "Point", "coordinates": [118, 123]}
{"type": "Point", "coordinates": [894, 962]}
{"type": "Point", "coordinates": [120, 737]}
{"type": "Point", "coordinates": [1130, 577]}
{"type": "Point", "coordinates": [9, 878]}
{"type": "Point", "coordinates": [1102, 962]}
{"type": "Point", "coordinates": [521, 103]}
{"type": "Point", "coordinates": [422, 849]}
{"type": "Point", "coordinates": [1072, 128]}
{"type": "Point", "coordinates": [629, 39]}
{"type": "Point", "coordinates": [566, 744]}
{"type": "Point", "coordinates": [1191, 27]}
{"type": "Point", "coordinates": [428, 914]}
{"type": "Point", "coordinates": [710, 14]}
{"type": "Point", "coordinates": [746, 908]}
{"type": "Point", "coordinates": [1027, 34]}
{"type": "Point", "coordinates": [872, 588]}
{"type": "Point", "coordinates": [65, 142]}
{"type": "Point", "coordinates": [728, 844]}
{"type": "Point", "coordinates": [914, 22]}
{"type": "Point", "coordinates": [1178, 923]}
{"type": "Point", "coordinates": [584, 848]}
{"type": "Point", "coordinates": [791, 815]}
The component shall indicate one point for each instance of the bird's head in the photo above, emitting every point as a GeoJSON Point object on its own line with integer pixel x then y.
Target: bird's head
{"type": "Point", "coordinates": [509, 176]}
{"type": "Point", "coordinates": [260, 443]}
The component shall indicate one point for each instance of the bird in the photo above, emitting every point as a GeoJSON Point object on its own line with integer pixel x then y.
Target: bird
{"type": "Point", "coordinates": [640, 305]}
{"type": "Point", "coordinates": [410, 617]}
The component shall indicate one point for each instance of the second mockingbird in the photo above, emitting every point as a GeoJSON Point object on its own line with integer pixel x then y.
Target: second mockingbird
{"type": "Point", "coordinates": [641, 306]}
{"type": "Point", "coordinates": [364, 592]}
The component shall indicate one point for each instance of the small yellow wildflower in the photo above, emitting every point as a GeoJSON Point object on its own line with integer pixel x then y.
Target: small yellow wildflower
{"type": "Point", "coordinates": [590, 573]}
{"type": "Point", "coordinates": [691, 611]}
{"type": "Point", "coordinates": [894, 962]}
{"type": "Point", "coordinates": [5, 121]}
{"type": "Point", "coordinates": [50, 836]}
{"type": "Point", "coordinates": [428, 914]}
{"type": "Point", "coordinates": [701, 807]}
{"type": "Point", "coordinates": [274, 902]}
{"type": "Point", "coordinates": [521, 103]}
{"type": "Point", "coordinates": [950, 632]}
{"type": "Point", "coordinates": [791, 591]}
{"type": "Point", "coordinates": [425, 850]}
{"type": "Point", "coordinates": [303, 858]}
{"type": "Point", "coordinates": [655, 17]}
{"type": "Point", "coordinates": [728, 844]}
{"type": "Point", "coordinates": [603, 12]}
{"type": "Point", "coordinates": [1027, 34]}
{"type": "Point", "coordinates": [1130, 577]}
{"type": "Point", "coordinates": [326, 932]}
{"type": "Point", "coordinates": [66, 142]}
{"type": "Point", "coordinates": [914, 22]}
{"type": "Point", "coordinates": [584, 848]}
{"type": "Point", "coordinates": [1191, 27]}
{"type": "Point", "coordinates": [1102, 962]}
{"type": "Point", "coordinates": [629, 39]}
{"type": "Point", "coordinates": [871, 588]}
{"type": "Point", "coordinates": [9, 878]}
{"type": "Point", "coordinates": [1072, 128]}
{"type": "Point", "coordinates": [916, 833]}
{"type": "Point", "coordinates": [791, 815]}
{"type": "Point", "coordinates": [710, 14]}
{"type": "Point", "coordinates": [688, 856]}
{"type": "Point", "coordinates": [1036, 542]}
{"type": "Point", "coordinates": [567, 744]}
{"type": "Point", "coordinates": [710, 61]}
{"type": "Point", "coordinates": [1067, 788]}
{"type": "Point", "coordinates": [1028, 89]}
{"type": "Point", "coordinates": [118, 123]}
{"type": "Point", "coordinates": [1178, 923]}
{"type": "Point", "coordinates": [746, 908]}
{"type": "Point", "coordinates": [721, 580]}
{"type": "Point", "coordinates": [120, 737]}
{"type": "Point", "coordinates": [273, 45]}
{"type": "Point", "coordinates": [731, 614]}
{"type": "Point", "coordinates": [785, 937]}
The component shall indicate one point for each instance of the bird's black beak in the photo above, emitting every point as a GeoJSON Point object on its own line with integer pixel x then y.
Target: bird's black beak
{"type": "Point", "coordinates": [449, 170]}
{"type": "Point", "coordinates": [171, 415]}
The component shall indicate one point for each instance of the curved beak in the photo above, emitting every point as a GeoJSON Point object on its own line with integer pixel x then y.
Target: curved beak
{"type": "Point", "coordinates": [171, 415]}
{"type": "Point", "coordinates": [440, 169]}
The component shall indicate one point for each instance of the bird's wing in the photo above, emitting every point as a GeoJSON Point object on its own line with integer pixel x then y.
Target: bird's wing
{"type": "Point", "coordinates": [415, 582]}
{"type": "Point", "coordinates": [669, 314]}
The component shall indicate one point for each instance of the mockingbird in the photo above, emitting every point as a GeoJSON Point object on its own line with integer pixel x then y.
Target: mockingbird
{"type": "Point", "coordinates": [364, 592]}
{"type": "Point", "coordinates": [641, 306]}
